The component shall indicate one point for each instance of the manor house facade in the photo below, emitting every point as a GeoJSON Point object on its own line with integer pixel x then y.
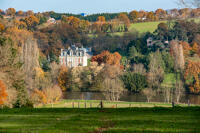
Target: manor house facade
{"type": "Point", "coordinates": [74, 56]}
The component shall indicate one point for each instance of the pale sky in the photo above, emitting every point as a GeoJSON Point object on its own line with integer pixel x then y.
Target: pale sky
{"type": "Point", "coordinates": [88, 6]}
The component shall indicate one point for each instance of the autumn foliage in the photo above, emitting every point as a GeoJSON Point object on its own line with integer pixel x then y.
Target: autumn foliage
{"type": "Point", "coordinates": [31, 21]}
{"type": "Point", "coordinates": [186, 48]}
{"type": "Point", "coordinates": [192, 72]}
{"type": "Point", "coordinates": [39, 96]}
{"type": "Point", "coordinates": [62, 77]}
{"type": "Point", "coordinates": [107, 58]}
{"type": "Point", "coordinates": [11, 11]}
{"type": "Point", "coordinates": [1, 27]}
{"type": "Point", "coordinates": [101, 19]}
{"type": "Point", "coordinates": [3, 94]}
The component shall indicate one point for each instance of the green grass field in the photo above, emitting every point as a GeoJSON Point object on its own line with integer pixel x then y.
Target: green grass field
{"type": "Point", "coordinates": [107, 104]}
{"type": "Point", "coordinates": [123, 120]}
{"type": "Point", "coordinates": [145, 26]}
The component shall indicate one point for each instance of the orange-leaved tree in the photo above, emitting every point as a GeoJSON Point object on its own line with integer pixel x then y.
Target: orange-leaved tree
{"type": "Point", "coordinates": [3, 93]}
{"type": "Point", "coordinates": [1, 27]}
{"type": "Point", "coordinates": [186, 48]}
{"type": "Point", "coordinates": [191, 76]}
{"type": "Point", "coordinates": [107, 58]}
{"type": "Point", "coordinates": [31, 21]}
{"type": "Point", "coordinates": [73, 21]}
{"type": "Point", "coordinates": [101, 19]}
{"type": "Point", "coordinates": [39, 96]}
{"type": "Point", "coordinates": [195, 48]}
{"type": "Point", "coordinates": [11, 11]}
{"type": "Point", "coordinates": [124, 18]}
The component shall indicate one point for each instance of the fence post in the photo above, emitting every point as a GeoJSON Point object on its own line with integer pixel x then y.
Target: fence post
{"type": "Point", "coordinates": [78, 105]}
{"type": "Point", "coordinates": [72, 104]}
{"type": "Point", "coordinates": [188, 103]}
{"type": "Point", "coordinates": [91, 105]}
{"type": "Point", "coordinates": [130, 105]}
{"type": "Point", "coordinates": [116, 105]}
{"type": "Point", "coordinates": [85, 105]}
{"type": "Point", "coordinates": [172, 104]}
{"type": "Point", "coordinates": [101, 104]}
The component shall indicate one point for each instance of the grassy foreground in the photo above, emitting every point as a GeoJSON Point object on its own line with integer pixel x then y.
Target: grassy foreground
{"type": "Point", "coordinates": [107, 104]}
{"type": "Point", "coordinates": [123, 120]}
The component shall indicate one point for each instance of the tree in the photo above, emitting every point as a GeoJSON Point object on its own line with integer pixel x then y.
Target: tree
{"type": "Point", "coordinates": [109, 82]}
{"type": "Point", "coordinates": [185, 12]}
{"type": "Point", "coordinates": [29, 13]}
{"type": "Point", "coordinates": [52, 94]}
{"type": "Point", "coordinates": [63, 77]}
{"type": "Point", "coordinates": [178, 91]}
{"type": "Point", "coordinates": [107, 58]}
{"type": "Point", "coordinates": [3, 94]}
{"type": "Point", "coordinates": [20, 13]}
{"type": "Point", "coordinates": [139, 68]}
{"type": "Point", "coordinates": [73, 21]}
{"type": "Point", "coordinates": [186, 48]}
{"type": "Point", "coordinates": [134, 82]}
{"type": "Point", "coordinates": [134, 16]}
{"type": "Point", "coordinates": [195, 48]}
{"type": "Point", "coordinates": [168, 61]}
{"type": "Point", "coordinates": [150, 16]}
{"type": "Point", "coordinates": [38, 97]}
{"type": "Point", "coordinates": [54, 72]}
{"type": "Point", "coordinates": [84, 26]}
{"type": "Point", "coordinates": [174, 13]}
{"type": "Point", "coordinates": [112, 88]}
{"type": "Point", "coordinates": [11, 11]}
{"type": "Point", "coordinates": [160, 13]}
{"type": "Point", "coordinates": [162, 32]}
{"type": "Point", "coordinates": [155, 75]}
{"type": "Point", "coordinates": [149, 93]}
{"type": "Point", "coordinates": [190, 3]}
{"type": "Point", "coordinates": [1, 27]}
{"type": "Point", "coordinates": [191, 76]}
{"type": "Point", "coordinates": [142, 15]}
{"type": "Point", "coordinates": [177, 52]}
{"type": "Point", "coordinates": [124, 19]}
{"type": "Point", "coordinates": [11, 65]}
{"type": "Point", "coordinates": [101, 19]}
{"type": "Point", "coordinates": [167, 93]}
{"type": "Point", "coordinates": [31, 22]}
{"type": "Point", "coordinates": [1, 12]}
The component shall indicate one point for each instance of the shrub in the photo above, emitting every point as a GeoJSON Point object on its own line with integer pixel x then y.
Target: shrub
{"type": "Point", "coordinates": [53, 94]}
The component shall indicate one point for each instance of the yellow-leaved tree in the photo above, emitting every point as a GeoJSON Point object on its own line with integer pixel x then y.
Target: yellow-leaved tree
{"type": "Point", "coordinates": [62, 78]}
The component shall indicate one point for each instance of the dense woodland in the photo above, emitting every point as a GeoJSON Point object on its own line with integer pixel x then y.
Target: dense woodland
{"type": "Point", "coordinates": [30, 45]}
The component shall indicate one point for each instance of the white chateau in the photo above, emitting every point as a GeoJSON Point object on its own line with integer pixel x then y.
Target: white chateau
{"type": "Point", "coordinates": [74, 56]}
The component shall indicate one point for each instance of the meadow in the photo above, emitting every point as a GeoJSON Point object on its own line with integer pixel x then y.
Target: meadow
{"type": "Point", "coordinates": [94, 120]}
{"type": "Point", "coordinates": [107, 104]}
{"type": "Point", "coordinates": [144, 27]}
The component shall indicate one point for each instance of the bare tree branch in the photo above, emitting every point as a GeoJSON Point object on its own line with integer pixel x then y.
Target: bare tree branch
{"type": "Point", "coordinates": [189, 3]}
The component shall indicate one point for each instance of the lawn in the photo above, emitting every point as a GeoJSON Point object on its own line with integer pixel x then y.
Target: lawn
{"type": "Point", "coordinates": [145, 26]}
{"type": "Point", "coordinates": [123, 120]}
{"type": "Point", "coordinates": [106, 104]}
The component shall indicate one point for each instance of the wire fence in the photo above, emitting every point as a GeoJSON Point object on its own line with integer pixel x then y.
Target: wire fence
{"type": "Point", "coordinates": [107, 104]}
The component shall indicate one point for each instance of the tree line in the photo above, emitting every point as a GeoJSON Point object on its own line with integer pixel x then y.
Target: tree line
{"type": "Point", "coordinates": [30, 73]}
